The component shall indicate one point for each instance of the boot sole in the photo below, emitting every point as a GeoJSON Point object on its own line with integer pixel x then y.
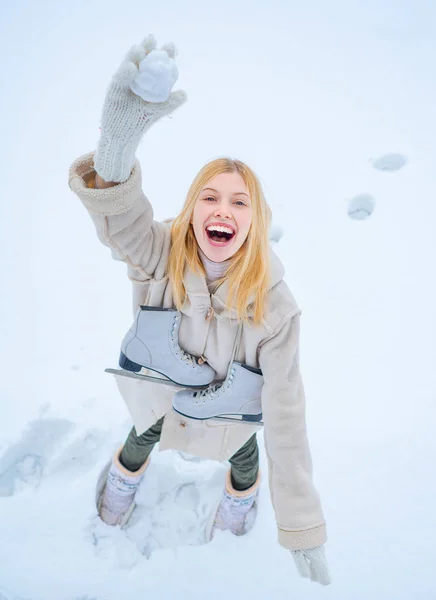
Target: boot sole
{"type": "Point", "coordinates": [131, 367]}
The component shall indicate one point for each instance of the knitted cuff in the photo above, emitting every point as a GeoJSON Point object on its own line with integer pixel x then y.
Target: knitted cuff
{"type": "Point", "coordinates": [114, 159]}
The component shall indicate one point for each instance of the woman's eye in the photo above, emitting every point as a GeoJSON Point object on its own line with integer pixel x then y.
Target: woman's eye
{"type": "Point", "coordinates": [212, 199]}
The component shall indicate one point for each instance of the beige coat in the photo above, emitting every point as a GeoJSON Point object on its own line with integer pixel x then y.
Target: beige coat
{"type": "Point", "coordinates": [124, 220]}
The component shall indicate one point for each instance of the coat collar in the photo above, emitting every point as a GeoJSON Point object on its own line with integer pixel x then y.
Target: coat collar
{"type": "Point", "coordinates": [200, 300]}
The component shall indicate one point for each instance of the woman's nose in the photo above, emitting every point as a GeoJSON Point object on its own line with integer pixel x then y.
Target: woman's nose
{"type": "Point", "coordinates": [223, 212]}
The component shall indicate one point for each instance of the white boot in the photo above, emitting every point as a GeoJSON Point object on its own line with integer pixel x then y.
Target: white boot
{"type": "Point", "coordinates": [238, 396]}
{"type": "Point", "coordinates": [237, 510]}
{"type": "Point", "coordinates": [152, 343]}
{"type": "Point", "coordinates": [116, 490]}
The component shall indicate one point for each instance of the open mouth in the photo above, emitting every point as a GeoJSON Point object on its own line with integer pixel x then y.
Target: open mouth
{"type": "Point", "coordinates": [219, 236]}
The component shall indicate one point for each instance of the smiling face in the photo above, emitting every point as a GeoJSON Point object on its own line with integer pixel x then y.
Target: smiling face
{"type": "Point", "coordinates": [222, 216]}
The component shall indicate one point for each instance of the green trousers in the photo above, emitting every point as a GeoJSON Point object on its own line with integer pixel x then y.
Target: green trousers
{"type": "Point", "coordinates": [244, 464]}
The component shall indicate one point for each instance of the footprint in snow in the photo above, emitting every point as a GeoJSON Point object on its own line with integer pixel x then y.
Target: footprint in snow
{"type": "Point", "coordinates": [24, 462]}
{"type": "Point", "coordinates": [36, 457]}
{"type": "Point", "coordinates": [389, 162]}
{"type": "Point", "coordinates": [361, 207]}
{"type": "Point", "coordinates": [173, 508]}
{"type": "Point", "coordinates": [80, 456]}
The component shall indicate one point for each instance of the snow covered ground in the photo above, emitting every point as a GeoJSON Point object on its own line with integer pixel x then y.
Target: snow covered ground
{"type": "Point", "coordinates": [312, 95]}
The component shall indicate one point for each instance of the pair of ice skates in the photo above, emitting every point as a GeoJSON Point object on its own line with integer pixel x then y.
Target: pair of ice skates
{"type": "Point", "coordinates": [152, 344]}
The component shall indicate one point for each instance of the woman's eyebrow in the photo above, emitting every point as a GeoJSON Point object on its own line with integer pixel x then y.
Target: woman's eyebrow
{"type": "Point", "coordinates": [216, 192]}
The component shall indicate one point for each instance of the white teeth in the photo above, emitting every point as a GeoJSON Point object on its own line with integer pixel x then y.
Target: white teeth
{"type": "Point", "coordinates": [220, 228]}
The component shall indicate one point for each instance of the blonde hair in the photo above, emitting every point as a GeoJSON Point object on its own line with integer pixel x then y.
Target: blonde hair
{"type": "Point", "coordinates": [248, 274]}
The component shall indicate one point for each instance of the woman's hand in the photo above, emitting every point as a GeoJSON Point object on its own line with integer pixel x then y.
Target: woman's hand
{"type": "Point", "coordinates": [312, 564]}
{"type": "Point", "coordinates": [126, 116]}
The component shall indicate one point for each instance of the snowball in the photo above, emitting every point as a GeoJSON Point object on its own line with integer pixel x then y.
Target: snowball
{"type": "Point", "coordinates": [157, 75]}
{"type": "Point", "coordinates": [361, 207]}
{"type": "Point", "coordinates": [389, 162]}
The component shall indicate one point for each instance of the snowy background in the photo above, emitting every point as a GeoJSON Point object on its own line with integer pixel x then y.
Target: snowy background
{"type": "Point", "coordinates": [309, 94]}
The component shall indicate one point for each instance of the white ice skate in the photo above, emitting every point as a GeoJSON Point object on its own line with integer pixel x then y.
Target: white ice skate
{"type": "Point", "coordinates": [151, 344]}
{"type": "Point", "coordinates": [237, 398]}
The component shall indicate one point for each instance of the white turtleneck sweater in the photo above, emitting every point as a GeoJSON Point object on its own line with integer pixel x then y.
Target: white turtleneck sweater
{"type": "Point", "coordinates": [214, 270]}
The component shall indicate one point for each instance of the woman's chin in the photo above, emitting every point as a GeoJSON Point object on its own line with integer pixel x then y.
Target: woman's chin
{"type": "Point", "coordinates": [217, 252]}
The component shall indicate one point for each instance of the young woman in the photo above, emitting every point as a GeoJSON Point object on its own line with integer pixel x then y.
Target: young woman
{"type": "Point", "coordinates": [221, 287]}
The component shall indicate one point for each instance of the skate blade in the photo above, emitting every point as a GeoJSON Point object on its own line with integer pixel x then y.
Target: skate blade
{"type": "Point", "coordinates": [241, 419]}
{"type": "Point", "coordinates": [163, 380]}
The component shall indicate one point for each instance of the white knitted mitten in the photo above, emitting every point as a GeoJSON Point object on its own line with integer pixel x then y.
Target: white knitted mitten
{"type": "Point", "coordinates": [126, 116]}
{"type": "Point", "coordinates": [312, 564]}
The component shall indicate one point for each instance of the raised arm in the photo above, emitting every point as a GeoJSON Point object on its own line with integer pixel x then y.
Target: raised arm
{"type": "Point", "coordinates": [109, 182]}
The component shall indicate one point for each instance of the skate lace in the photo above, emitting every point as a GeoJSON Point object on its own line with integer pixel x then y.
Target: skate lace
{"type": "Point", "coordinates": [214, 391]}
{"type": "Point", "coordinates": [187, 358]}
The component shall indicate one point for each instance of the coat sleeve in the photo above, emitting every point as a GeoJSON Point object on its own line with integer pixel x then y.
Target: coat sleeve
{"type": "Point", "coordinates": [296, 503]}
{"type": "Point", "coordinates": [123, 217]}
